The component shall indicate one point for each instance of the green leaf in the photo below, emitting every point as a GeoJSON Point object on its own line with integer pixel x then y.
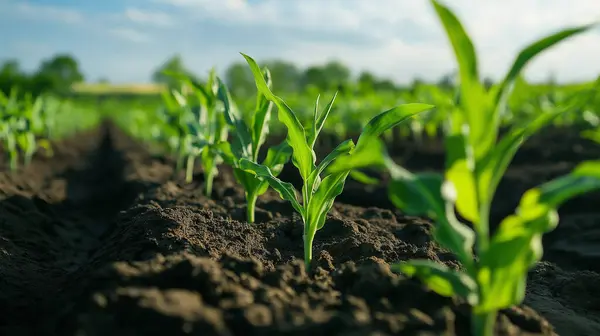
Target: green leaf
{"type": "Point", "coordinates": [45, 144]}
{"type": "Point", "coordinates": [503, 269]}
{"type": "Point", "coordinates": [530, 52]}
{"type": "Point", "coordinates": [492, 167]}
{"type": "Point", "coordinates": [203, 95]}
{"type": "Point", "coordinates": [286, 190]}
{"type": "Point", "coordinates": [179, 98]}
{"type": "Point", "coordinates": [421, 194]}
{"type": "Point", "coordinates": [277, 156]}
{"type": "Point", "coordinates": [588, 168]}
{"type": "Point", "coordinates": [473, 97]}
{"type": "Point", "coordinates": [343, 148]}
{"type": "Point", "coordinates": [323, 198]}
{"type": "Point", "coordinates": [303, 156]}
{"type": "Point", "coordinates": [234, 120]}
{"type": "Point", "coordinates": [513, 250]}
{"type": "Point", "coordinates": [593, 135]}
{"type": "Point", "coordinates": [416, 194]}
{"type": "Point", "coordinates": [262, 115]}
{"type": "Point", "coordinates": [517, 245]}
{"type": "Point", "coordinates": [224, 150]}
{"type": "Point", "coordinates": [312, 131]}
{"type": "Point", "coordinates": [370, 154]}
{"type": "Point", "coordinates": [388, 119]}
{"type": "Point", "coordinates": [26, 141]}
{"type": "Point", "coordinates": [584, 178]}
{"type": "Point", "coordinates": [169, 101]}
{"type": "Point", "coordinates": [440, 278]}
{"type": "Point", "coordinates": [251, 184]}
{"type": "Point", "coordinates": [319, 120]}
{"type": "Point", "coordinates": [363, 178]}
{"type": "Point", "coordinates": [459, 171]}
{"type": "Point", "coordinates": [466, 202]}
{"type": "Point", "coordinates": [415, 197]}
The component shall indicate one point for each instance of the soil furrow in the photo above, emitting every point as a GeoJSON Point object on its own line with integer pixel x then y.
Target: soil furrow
{"type": "Point", "coordinates": [45, 239]}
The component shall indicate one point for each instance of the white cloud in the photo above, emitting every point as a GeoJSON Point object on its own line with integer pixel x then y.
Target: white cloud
{"type": "Point", "coordinates": [130, 34]}
{"type": "Point", "coordinates": [408, 39]}
{"type": "Point", "coordinates": [136, 15]}
{"type": "Point", "coordinates": [43, 12]}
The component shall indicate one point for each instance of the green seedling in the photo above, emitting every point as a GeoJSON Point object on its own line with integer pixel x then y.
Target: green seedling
{"type": "Point", "coordinates": [591, 118]}
{"type": "Point", "coordinates": [8, 125]}
{"type": "Point", "coordinates": [318, 192]}
{"type": "Point", "coordinates": [250, 134]}
{"type": "Point", "coordinates": [475, 163]}
{"type": "Point", "coordinates": [195, 125]}
{"type": "Point", "coordinates": [23, 127]}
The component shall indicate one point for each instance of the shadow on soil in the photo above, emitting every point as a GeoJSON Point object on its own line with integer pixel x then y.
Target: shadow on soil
{"type": "Point", "coordinates": [45, 239]}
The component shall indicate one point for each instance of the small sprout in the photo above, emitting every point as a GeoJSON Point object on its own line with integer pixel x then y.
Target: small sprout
{"type": "Point", "coordinates": [23, 127]}
{"type": "Point", "coordinates": [319, 192]}
{"type": "Point", "coordinates": [193, 125]}
{"type": "Point", "coordinates": [250, 135]}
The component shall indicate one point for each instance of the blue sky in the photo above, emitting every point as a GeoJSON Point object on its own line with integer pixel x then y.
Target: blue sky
{"type": "Point", "coordinates": [124, 40]}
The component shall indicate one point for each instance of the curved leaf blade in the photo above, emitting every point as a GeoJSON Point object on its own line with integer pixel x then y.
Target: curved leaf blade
{"type": "Point", "coordinates": [319, 120]}
{"type": "Point", "coordinates": [286, 190]}
{"type": "Point", "coordinates": [234, 119]}
{"type": "Point", "coordinates": [277, 156]}
{"type": "Point", "coordinates": [474, 101]}
{"type": "Point", "coordinates": [343, 148]}
{"type": "Point", "coordinates": [363, 178]}
{"type": "Point", "coordinates": [262, 115]}
{"type": "Point", "coordinates": [421, 194]}
{"type": "Point", "coordinates": [323, 198]}
{"type": "Point", "coordinates": [530, 52]}
{"type": "Point", "coordinates": [388, 119]}
{"type": "Point", "coordinates": [584, 178]}
{"type": "Point", "coordinates": [440, 278]}
{"type": "Point", "coordinates": [303, 156]}
{"type": "Point", "coordinates": [370, 154]}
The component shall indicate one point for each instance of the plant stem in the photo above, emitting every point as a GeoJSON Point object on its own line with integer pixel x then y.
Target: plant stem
{"type": "Point", "coordinates": [482, 324]}
{"type": "Point", "coordinates": [483, 229]}
{"type": "Point", "coordinates": [179, 163]}
{"type": "Point", "coordinates": [28, 157]}
{"type": "Point", "coordinates": [251, 198]}
{"type": "Point", "coordinates": [189, 170]}
{"type": "Point", "coordinates": [308, 237]}
{"type": "Point", "coordinates": [210, 175]}
{"type": "Point", "coordinates": [180, 155]}
{"type": "Point", "coordinates": [13, 158]}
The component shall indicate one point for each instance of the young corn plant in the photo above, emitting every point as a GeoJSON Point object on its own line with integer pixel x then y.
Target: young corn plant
{"type": "Point", "coordinates": [197, 115]}
{"type": "Point", "coordinates": [36, 134]}
{"type": "Point", "coordinates": [170, 130]}
{"type": "Point", "coordinates": [250, 134]}
{"type": "Point", "coordinates": [591, 118]}
{"type": "Point", "coordinates": [494, 266]}
{"type": "Point", "coordinates": [318, 192]}
{"type": "Point", "coordinates": [22, 128]}
{"type": "Point", "coordinates": [7, 132]}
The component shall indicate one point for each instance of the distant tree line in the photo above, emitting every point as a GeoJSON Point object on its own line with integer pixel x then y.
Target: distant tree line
{"type": "Point", "coordinates": [287, 77]}
{"type": "Point", "coordinates": [55, 74]}
{"type": "Point", "coordinates": [58, 73]}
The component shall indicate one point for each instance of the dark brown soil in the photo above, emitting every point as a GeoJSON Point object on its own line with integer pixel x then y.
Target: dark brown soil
{"type": "Point", "coordinates": [101, 239]}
